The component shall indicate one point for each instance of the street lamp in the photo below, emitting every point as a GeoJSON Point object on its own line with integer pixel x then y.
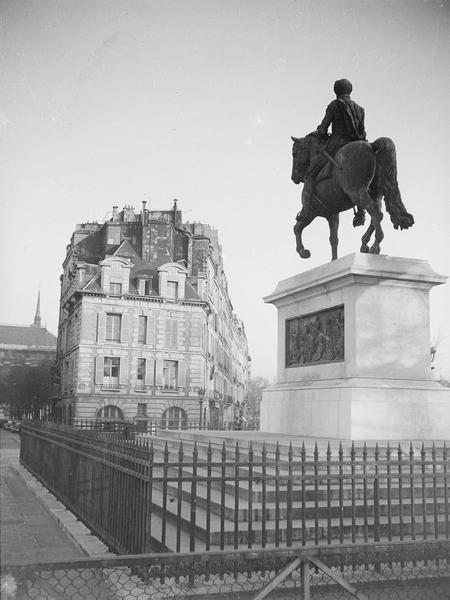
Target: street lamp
{"type": "Point", "coordinates": [201, 397]}
{"type": "Point", "coordinates": [433, 354]}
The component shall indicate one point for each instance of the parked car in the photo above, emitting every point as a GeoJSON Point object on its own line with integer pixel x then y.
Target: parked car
{"type": "Point", "coordinates": [8, 424]}
{"type": "Point", "coordinates": [16, 426]}
{"type": "Point", "coordinates": [3, 422]}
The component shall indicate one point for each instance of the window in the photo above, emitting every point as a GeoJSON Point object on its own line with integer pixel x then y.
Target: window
{"type": "Point", "coordinates": [171, 332]}
{"type": "Point", "coordinates": [148, 287]}
{"type": "Point", "coordinates": [141, 373]}
{"type": "Point", "coordinates": [115, 289]}
{"type": "Point", "coordinates": [170, 374]}
{"type": "Point", "coordinates": [110, 412]}
{"type": "Point", "coordinates": [142, 329]}
{"type": "Point", "coordinates": [113, 327]}
{"type": "Point", "coordinates": [172, 290]}
{"type": "Point", "coordinates": [141, 410]}
{"type": "Point", "coordinates": [111, 367]}
{"type": "Point", "coordinates": [174, 418]}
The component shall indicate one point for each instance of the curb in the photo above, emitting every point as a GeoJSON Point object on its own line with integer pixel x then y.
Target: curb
{"type": "Point", "coordinates": [80, 535]}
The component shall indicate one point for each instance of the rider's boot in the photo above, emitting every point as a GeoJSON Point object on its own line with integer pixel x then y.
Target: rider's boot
{"type": "Point", "coordinates": [307, 193]}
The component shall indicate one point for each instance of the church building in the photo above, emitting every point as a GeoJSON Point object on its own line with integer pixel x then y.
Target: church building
{"type": "Point", "coordinates": [26, 345]}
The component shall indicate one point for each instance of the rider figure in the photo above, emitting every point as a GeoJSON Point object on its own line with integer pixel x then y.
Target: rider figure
{"type": "Point", "coordinates": [347, 125]}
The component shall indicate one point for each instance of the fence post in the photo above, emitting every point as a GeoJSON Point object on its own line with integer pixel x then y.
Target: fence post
{"type": "Point", "coordinates": [149, 499]}
{"type": "Point", "coordinates": [277, 495]}
{"type": "Point", "coordinates": [180, 495]}
{"type": "Point", "coordinates": [412, 491]}
{"type": "Point", "coordinates": [376, 499]}
{"type": "Point", "coordinates": [306, 593]}
{"type": "Point", "coordinates": [444, 460]}
{"type": "Point", "coordinates": [328, 455]}
{"type": "Point", "coordinates": [289, 498]}
{"type": "Point", "coordinates": [193, 498]}
{"type": "Point", "coordinates": [250, 496]}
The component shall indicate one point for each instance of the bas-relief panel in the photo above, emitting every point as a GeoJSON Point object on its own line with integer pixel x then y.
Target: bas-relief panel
{"type": "Point", "coordinates": [314, 338]}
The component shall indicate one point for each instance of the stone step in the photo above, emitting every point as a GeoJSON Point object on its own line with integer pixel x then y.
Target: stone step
{"type": "Point", "coordinates": [321, 506]}
{"type": "Point", "coordinates": [310, 489]}
{"type": "Point", "coordinates": [254, 534]}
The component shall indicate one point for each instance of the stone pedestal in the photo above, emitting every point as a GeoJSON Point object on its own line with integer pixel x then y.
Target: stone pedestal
{"type": "Point", "coordinates": [354, 353]}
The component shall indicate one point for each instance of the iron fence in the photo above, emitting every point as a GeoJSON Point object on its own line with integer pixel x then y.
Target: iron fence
{"type": "Point", "coordinates": [393, 571]}
{"type": "Point", "coordinates": [148, 493]}
{"type": "Point", "coordinates": [153, 426]}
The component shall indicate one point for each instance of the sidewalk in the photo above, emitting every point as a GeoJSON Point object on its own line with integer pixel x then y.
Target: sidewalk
{"type": "Point", "coordinates": [35, 527]}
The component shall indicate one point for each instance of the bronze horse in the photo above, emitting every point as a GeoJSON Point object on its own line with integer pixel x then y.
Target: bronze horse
{"type": "Point", "coordinates": [361, 175]}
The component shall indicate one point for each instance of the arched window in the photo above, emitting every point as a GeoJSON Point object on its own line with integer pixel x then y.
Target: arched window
{"type": "Point", "coordinates": [174, 418]}
{"type": "Point", "coordinates": [110, 413]}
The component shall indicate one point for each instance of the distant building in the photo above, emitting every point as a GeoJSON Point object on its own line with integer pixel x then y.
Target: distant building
{"type": "Point", "coordinates": [26, 345]}
{"type": "Point", "coordinates": [147, 329]}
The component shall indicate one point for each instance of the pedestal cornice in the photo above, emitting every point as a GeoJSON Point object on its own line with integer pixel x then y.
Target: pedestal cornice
{"type": "Point", "coordinates": [353, 269]}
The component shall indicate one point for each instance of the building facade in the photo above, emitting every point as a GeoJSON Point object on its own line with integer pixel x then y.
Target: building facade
{"type": "Point", "coordinates": [26, 345]}
{"type": "Point", "coordinates": [147, 330]}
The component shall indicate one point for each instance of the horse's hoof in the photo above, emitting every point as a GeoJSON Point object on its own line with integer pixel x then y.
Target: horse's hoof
{"type": "Point", "coordinates": [375, 249]}
{"type": "Point", "coordinates": [305, 253]}
{"type": "Point", "coordinates": [364, 248]}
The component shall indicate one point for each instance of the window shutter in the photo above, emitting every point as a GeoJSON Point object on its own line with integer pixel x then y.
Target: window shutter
{"type": "Point", "coordinates": [99, 360]}
{"type": "Point", "coordinates": [150, 371]}
{"type": "Point", "coordinates": [101, 327]}
{"type": "Point", "coordinates": [151, 329]}
{"type": "Point", "coordinates": [168, 332]}
{"type": "Point", "coordinates": [174, 340]}
{"type": "Point", "coordinates": [123, 371]}
{"type": "Point", "coordinates": [181, 374]}
{"type": "Point", "coordinates": [125, 333]}
{"type": "Point", "coordinates": [159, 373]}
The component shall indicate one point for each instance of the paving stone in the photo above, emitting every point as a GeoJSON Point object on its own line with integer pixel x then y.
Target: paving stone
{"type": "Point", "coordinates": [35, 525]}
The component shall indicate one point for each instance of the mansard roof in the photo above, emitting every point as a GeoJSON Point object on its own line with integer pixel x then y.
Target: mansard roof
{"type": "Point", "coordinates": [26, 335]}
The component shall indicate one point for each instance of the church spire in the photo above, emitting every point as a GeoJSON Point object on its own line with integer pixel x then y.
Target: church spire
{"type": "Point", "coordinates": [37, 316]}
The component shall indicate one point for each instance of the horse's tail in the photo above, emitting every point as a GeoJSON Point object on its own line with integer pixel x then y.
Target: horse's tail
{"type": "Point", "coordinates": [386, 183]}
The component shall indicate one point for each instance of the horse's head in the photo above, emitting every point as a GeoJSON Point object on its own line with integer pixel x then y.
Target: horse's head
{"type": "Point", "coordinates": [300, 159]}
{"type": "Point", "coordinates": [303, 151]}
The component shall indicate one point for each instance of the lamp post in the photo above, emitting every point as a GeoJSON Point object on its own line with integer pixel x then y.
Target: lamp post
{"type": "Point", "coordinates": [433, 354]}
{"type": "Point", "coordinates": [201, 397]}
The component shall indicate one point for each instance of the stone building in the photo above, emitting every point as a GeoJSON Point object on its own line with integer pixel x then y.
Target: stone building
{"type": "Point", "coordinates": [26, 345]}
{"type": "Point", "coordinates": [147, 329]}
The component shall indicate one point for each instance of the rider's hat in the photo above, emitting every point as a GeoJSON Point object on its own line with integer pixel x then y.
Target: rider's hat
{"type": "Point", "coordinates": [342, 86]}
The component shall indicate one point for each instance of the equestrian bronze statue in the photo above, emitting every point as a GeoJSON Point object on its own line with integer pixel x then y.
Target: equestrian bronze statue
{"type": "Point", "coordinates": [344, 171]}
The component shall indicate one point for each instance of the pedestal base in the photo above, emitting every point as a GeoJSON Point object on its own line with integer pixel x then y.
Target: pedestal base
{"type": "Point", "coordinates": [358, 409]}
{"type": "Point", "coordinates": [354, 353]}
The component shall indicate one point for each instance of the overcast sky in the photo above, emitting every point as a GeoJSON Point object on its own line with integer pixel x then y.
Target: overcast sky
{"type": "Point", "coordinates": [110, 102]}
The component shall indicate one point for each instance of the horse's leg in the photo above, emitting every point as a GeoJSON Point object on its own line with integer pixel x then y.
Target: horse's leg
{"type": "Point", "coordinates": [333, 223]}
{"type": "Point", "coordinates": [304, 218]}
{"type": "Point", "coordinates": [366, 237]}
{"type": "Point", "coordinates": [364, 200]}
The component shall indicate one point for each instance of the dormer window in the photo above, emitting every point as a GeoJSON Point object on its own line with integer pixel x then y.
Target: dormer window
{"type": "Point", "coordinates": [172, 290]}
{"type": "Point", "coordinates": [144, 286]}
{"type": "Point", "coordinates": [115, 289]}
{"type": "Point", "coordinates": [172, 281]}
{"type": "Point", "coordinates": [115, 275]}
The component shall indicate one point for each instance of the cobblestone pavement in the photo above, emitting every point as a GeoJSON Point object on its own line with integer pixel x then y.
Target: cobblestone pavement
{"type": "Point", "coordinates": [29, 533]}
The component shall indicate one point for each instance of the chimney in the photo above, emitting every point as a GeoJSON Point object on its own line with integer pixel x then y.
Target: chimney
{"type": "Point", "coordinates": [114, 217]}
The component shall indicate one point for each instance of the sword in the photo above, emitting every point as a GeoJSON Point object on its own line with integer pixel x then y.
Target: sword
{"type": "Point", "coordinates": [331, 159]}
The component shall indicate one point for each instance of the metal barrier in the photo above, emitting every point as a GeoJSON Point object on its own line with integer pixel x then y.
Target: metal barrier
{"type": "Point", "coordinates": [139, 495]}
{"type": "Point", "coordinates": [394, 571]}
